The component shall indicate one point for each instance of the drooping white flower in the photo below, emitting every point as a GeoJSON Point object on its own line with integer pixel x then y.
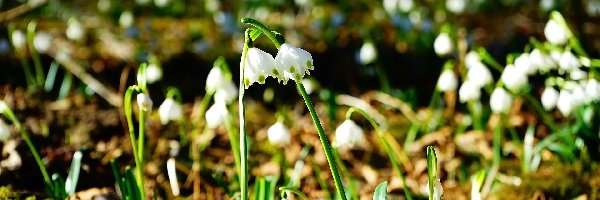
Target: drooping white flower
{"type": "Point", "coordinates": [259, 65]}
{"type": "Point", "coordinates": [215, 79]}
{"type": "Point", "coordinates": [144, 102]}
{"type": "Point", "coordinates": [42, 41]}
{"type": "Point", "coordinates": [549, 98]}
{"type": "Point", "coordinates": [513, 78]}
{"type": "Point", "coordinates": [279, 134]}
{"type": "Point", "coordinates": [592, 89]}
{"type": "Point", "coordinates": [578, 74]}
{"type": "Point", "coordinates": [292, 62]}
{"type": "Point", "coordinates": [447, 81]}
{"type": "Point", "coordinates": [216, 114]}
{"type": "Point", "coordinates": [170, 110]}
{"type": "Point", "coordinates": [568, 61]}
{"type": "Point", "coordinates": [4, 131]}
{"type": "Point", "coordinates": [18, 39]}
{"type": "Point", "coordinates": [565, 102]}
{"type": "Point", "coordinates": [227, 92]}
{"type": "Point", "coordinates": [126, 19]}
{"type": "Point", "coordinates": [469, 91]}
{"type": "Point", "coordinates": [348, 134]}
{"type": "Point", "coordinates": [456, 6]}
{"type": "Point", "coordinates": [74, 29]}
{"type": "Point", "coordinates": [541, 61]}
{"type": "Point", "coordinates": [438, 190]}
{"type": "Point", "coordinates": [522, 63]}
{"type": "Point", "coordinates": [443, 44]}
{"type": "Point", "coordinates": [153, 73]}
{"type": "Point", "coordinates": [479, 74]}
{"type": "Point", "coordinates": [578, 94]}
{"type": "Point", "coordinates": [555, 33]}
{"type": "Point", "coordinates": [472, 58]}
{"type": "Point", "coordinates": [367, 53]}
{"type": "Point", "coordinates": [500, 101]}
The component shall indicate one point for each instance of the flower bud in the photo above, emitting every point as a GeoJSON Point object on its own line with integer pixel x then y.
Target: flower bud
{"type": "Point", "coordinates": [348, 134]}
{"type": "Point", "coordinates": [565, 102]}
{"type": "Point", "coordinates": [568, 61]}
{"type": "Point", "coordinates": [170, 110]}
{"type": "Point", "coordinates": [447, 81]}
{"type": "Point", "coordinates": [513, 78]}
{"type": "Point", "coordinates": [479, 74]}
{"type": "Point", "coordinates": [469, 91]}
{"type": "Point", "coordinates": [42, 41]}
{"type": "Point", "coordinates": [549, 98]}
{"type": "Point", "coordinates": [292, 63]}
{"type": "Point", "coordinates": [555, 33]}
{"type": "Point", "coordinates": [367, 53]}
{"type": "Point", "coordinates": [279, 135]}
{"type": "Point", "coordinates": [443, 45]}
{"type": "Point", "coordinates": [500, 101]}
{"type": "Point", "coordinates": [144, 102]}
{"type": "Point", "coordinates": [216, 114]}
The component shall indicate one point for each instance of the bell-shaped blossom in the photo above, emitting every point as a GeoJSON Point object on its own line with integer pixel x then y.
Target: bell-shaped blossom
{"type": "Point", "coordinates": [438, 190]}
{"type": "Point", "coordinates": [216, 114]}
{"type": "Point", "coordinates": [456, 6]}
{"type": "Point", "coordinates": [592, 89]}
{"type": "Point", "coordinates": [555, 33]}
{"type": "Point", "coordinates": [4, 131]}
{"type": "Point", "coordinates": [501, 100]}
{"type": "Point", "coordinates": [292, 63]}
{"type": "Point", "coordinates": [144, 102]}
{"type": "Point", "coordinates": [565, 102]}
{"type": "Point", "coordinates": [568, 61]}
{"type": "Point", "coordinates": [18, 39]}
{"type": "Point", "coordinates": [42, 41]}
{"type": "Point", "coordinates": [447, 81]}
{"type": "Point", "coordinates": [523, 63]}
{"type": "Point", "coordinates": [126, 19]}
{"type": "Point", "coordinates": [215, 79]}
{"type": "Point", "coordinates": [74, 29]}
{"type": "Point", "coordinates": [541, 61]}
{"type": "Point", "coordinates": [513, 78]}
{"type": "Point", "coordinates": [348, 134]}
{"type": "Point", "coordinates": [578, 74]}
{"type": "Point", "coordinates": [259, 65]}
{"type": "Point", "coordinates": [579, 96]}
{"type": "Point", "coordinates": [406, 5]}
{"type": "Point", "coordinates": [227, 92]}
{"type": "Point", "coordinates": [443, 45]}
{"type": "Point", "coordinates": [153, 73]}
{"type": "Point", "coordinates": [549, 98]}
{"type": "Point", "coordinates": [170, 110]}
{"type": "Point", "coordinates": [279, 134]}
{"type": "Point", "coordinates": [367, 53]}
{"type": "Point", "coordinates": [469, 91]}
{"type": "Point", "coordinates": [479, 74]}
{"type": "Point", "coordinates": [472, 58]}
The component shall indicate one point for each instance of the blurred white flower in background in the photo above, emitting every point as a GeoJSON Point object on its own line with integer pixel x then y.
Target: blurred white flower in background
{"type": "Point", "coordinates": [447, 81]}
{"type": "Point", "coordinates": [456, 6]}
{"type": "Point", "coordinates": [479, 74]}
{"type": "Point", "coordinates": [279, 134]}
{"type": "Point", "coordinates": [523, 63]}
{"type": "Point", "coordinates": [565, 102]}
{"type": "Point", "coordinates": [126, 19]}
{"type": "Point", "coordinates": [227, 92]}
{"type": "Point", "coordinates": [144, 102]}
{"type": "Point", "coordinates": [216, 115]}
{"type": "Point", "coordinates": [555, 33]}
{"type": "Point", "coordinates": [578, 74]}
{"type": "Point", "coordinates": [443, 44]}
{"type": "Point", "coordinates": [348, 135]}
{"type": "Point", "coordinates": [161, 3]}
{"type": "Point", "coordinates": [153, 73]}
{"type": "Point", "coordinates": [513, 78]}
{"type": "Point", "coordinates": [42, 41]}
{"type": "Point", "coordinates": [170, 110]}
{"type": "Point", "coordinates": [4, 131]}
{"type": "Point", "coordinates": [568, 61]}
{"type": "Point", "coordinates": [541, 61]}
{"type": "Point", "coordinates": [472, 58]}
{"type": "Point", "coordinates": [469, 91]}
{"type": "Point", "coordinates": [367, 53]}
{"type": "Point", "coordinates": [549, 98]}
{"type": "Point", "coordinates": [592, 89]}
{"type": "Point", "coordinates": [215, 79]}
{"type": "Point", "coordinates": [18, 39]}
{"type": "Point", "coordinates": [501, 100]}
{"type": "Point", "coordinates": [406, 5]}
{"type": "Point", "coordinates": [74, 30]}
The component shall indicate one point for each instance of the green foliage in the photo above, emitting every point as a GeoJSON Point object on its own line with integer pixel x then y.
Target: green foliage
{"type": "Point", "coordinates": [380, 191]}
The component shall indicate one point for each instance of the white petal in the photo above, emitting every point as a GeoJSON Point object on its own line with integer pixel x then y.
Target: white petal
{"type": "Point", "coordinates": [447, 81]}
{"type": "Point", "coordinates": [348, 134]}
{"type": "Point", "coordinates": [500, 101]}
{"type": "Point", "coordinates": [469, 91]}
{"type": "Point", "coordinates": [443, 44]}
{"type": "Point", "coordinates": [279, 134]}
{"type": "Point", "coordinates": [549, 98]}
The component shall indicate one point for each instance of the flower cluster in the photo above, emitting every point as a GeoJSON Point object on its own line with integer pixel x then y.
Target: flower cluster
{"type": "Point", "coordinates": [478, 75]}
{"type": "Point", "coordinates": [289, 63]}
{"type": "Point", "coordinates": [220, 84]}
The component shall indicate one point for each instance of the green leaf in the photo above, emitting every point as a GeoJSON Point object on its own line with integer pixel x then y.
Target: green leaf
{"type": "Point", "coordinates": [380, 191]}
{"type": "Point", "coordinates": [292, 190]}
{"type": "Point", "coordinates": [255, 33]}
{"type": "Point", "coordinates": [71, 182]}
{"type": "Point", "coordinates": [431, 169]}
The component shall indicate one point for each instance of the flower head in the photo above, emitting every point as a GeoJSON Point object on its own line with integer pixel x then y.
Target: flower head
{"type": "Point", "coordinates": [153, 73]}
{"type": "Point", "coordinates": [514, 78]}
{"type": "Point", "coordinates": [447, 81]}
{"type": "Point", "coordinates": [170, 110]}
{"type": "Point", "coordinates": [227, 92]}
{"type": "Point", "coordinates": [292, 62]}
{"type": "Point", "coordinates": [42, 41]}
{"type": "Point", "coordinates": [523, 63]}
{"type": "Point", "coordinates": [215, 79]}
{"type": "Point", "coordinates": [443, 44]}
{"type": "Point", "coordinates": [74, 30]}
{"type": "Point", "coordinates": [469, 91]}
{"type": "Point", "coordinates": [472, 58]}
{"type": "Point", "coordinates": [592, 88]}
{"type": "Point", "coordinates": [541, 61]}
{"type": "Point", "coordinates": [259, 65]}
{"type": "Point", "coordinates": [549, 98]}
{"type": "Point", "coordinates": [479, 74]}
{"type": "Point", "coordinates": [568, 61]}
{"type": "Point", "coordinates": [279, 134]}
{"type": "Point", "coordinates": [216, 114]}
{"type": "Point", "coordinates": [144, 102]}
{"type": "Point", "coordinates": [555, 33]}
{"type": "Point", "coordinates": [565, 102]}
{"type": "Point", "coordinates": [500, 101]}
{"type": "Point", "coordinates": [348, 134]}
{"type": "Point", "coordinates": [368, 53]}
{"type": "Point", "coordinates": [18, 39]}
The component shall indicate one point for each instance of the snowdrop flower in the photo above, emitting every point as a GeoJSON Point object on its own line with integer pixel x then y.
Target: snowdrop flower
{"type": "Point", "coordinates": [568, 61]}
{"type": "Point", "coordinates": [292, 62]}
{"type": "Point", "coordinates": [74, 30]}
{"type": "Point", "coordinates": [153, 73]}
{"type": "Point", "coordinates": [279, 134]}
{"type": "Point", "coordinates": [443, 44]}
{"type": "Point", "coordinates": [578, 95]}
{"type": "Point", "coordinates": [406, 5]}
{"type": "Point", "coordinates": [565, 102]}
{"type": "Point", "coordinates": [18, 39]}
{"type": "Point", "coordinates": [170, 110]}
{"type": "Point", "coordinates": [472, 58]}
{"type": "Point", "coordinates": [555, 33]}
{"type": "Point", "coordinates": [513, 78]}
{"type": "Point", "coordinates": [367, 53]}
{"type": "Point", "coordinates": [126, 19]}
{"type": "Point", "coordinates": [456, 6]}
{"type": "Point", "coordinates": [469, 91]}
{"type": "Point", "coordinates": [144, 102]}
{"type": "Point", "coordinates": [4, 131]}
{"type": "Point", "coordinates": [438, 190]}
{"type": "Point", "coordinates": [500, 101]}
{"type": "Point", "coordinates": [549, 98]}
{"type": "Point", "coordinates": [540, 60]}
{"type": "Point", "coordinates": [215, 79]}
{"type": "Point", "coordinates": [42, 41]}
{"type": "Point", "coordinates": [227, 92]}
{"type": "Point", "coordinates": [447, 81]}
{"type": "Point", "coordinates": [479, 74]}
{"type": "Point", "coordinates": [258, 66]}
{"type": "Point", "coordinates": [348, 134]}
{"type": "Point", "coordinates": [592, 89]}
{"type": "Point", "coordinates": [522, 63]}
{"type": "Point", "coordinates": [578, 74]}
{"type": "Point", "coordinates": [216, 114]}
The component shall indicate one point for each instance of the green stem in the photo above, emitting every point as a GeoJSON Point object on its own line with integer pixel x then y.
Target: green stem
{"type": "Point", "coordinates": [346, 173]}
{"type": "Point", "coordinates": [242, 118]}
{"type": "Point", "coordinates": [235, 146]}
{"type": "Point", "coordinates": [21, 56]}
{"type": "Point", "coordinates": [37, 63]}
{"type": "Point", "coordinates": [140, 166]}
{"type": "Point", "coordinates": [264, 29]}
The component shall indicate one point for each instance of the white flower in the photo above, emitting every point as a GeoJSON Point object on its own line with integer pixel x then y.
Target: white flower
{"type": "Point", "coordinates": [555, 33]}
{"type": "Point", "coordinates": [215, 79]}
{"type": "Point", "coordinates": [279, 134]}
{"type": "Point", "coordinates": [592, 89]}
{"type": "Point", "coordinates": [578, 74]}
{"type": "Point", "coordinates": [549, 98]}
{"type": "Point", "coordinates": [541, 61]}
{"type": "Point", "coordinates": [126, 19]}
{"type": "Point", "coordinates": [161, 3]}
{"type": "Point", "coordinates": [513, 78]}
{"type": "Point", "coordinates": [216, 114]}
{"type": "Point", "coordinates": [522, 63]}
{"type": "Point", "coordinates": [469, 91]}
{"type": "Point", "coordinates": [258, 66]}
{"type": "Point", "coordinates": [368, 53]}
{"type": "Point", "coordinates": [170, 110]}
{"type": "Point", "coordinates": [310, 85]}
{"type": "Point", "coordinates": [18, 39]}
{"type": "Point", "coordinates": [500, 101]}
{"type": "Point", "coordinates": [74, 29]}
{"type": "Point", "coordinates": [227, 92]}
{"type": "Point", "coordinates": [479, 74]}
{"type": "Point", "coordinates": [4, 131]}
{"type": "Point", "coordinates": [390, 6]}
{"type": "Point", "coordinates": [348, 134]}
{"type": "Point", "coordinates": [565, 102]}
{"type": "Point", "coordinates": [456, 6]}
{"type": "Point", "coordinates": [447, 81]}
{"type": "Point", "coordinates": [153, 73]}
{"type": "Point", "coordinates": [438, 190]}
{"type": "Point", "coordinates": [568, 61]}
{"type": "Point", "coordinates": [443, 44]}
{"type": "Point", "coordinates": [42, 41]}
{"type": "Point", "coordinates": [472, 58]}
{"type": "Point", "coordinates": [405, 5]}
{"type": "Point", "coordinates": [292, 62]}
{"type": "Point", "coordinates": [578, 95]}
{"type": "Point", "coordinates": [144, 102]}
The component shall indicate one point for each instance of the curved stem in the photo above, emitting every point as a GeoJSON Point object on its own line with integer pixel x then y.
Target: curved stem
{"type": "Point", "coordinates": [264, 29]}
{"type": "Point", "coordinates": [326, 146]}
{"type": "Point", "coordinates": [242, 117]}
{"type": "Point", "coordinates": [140, 166]}
{"type": "Point", "coordinates": [37, 63]}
